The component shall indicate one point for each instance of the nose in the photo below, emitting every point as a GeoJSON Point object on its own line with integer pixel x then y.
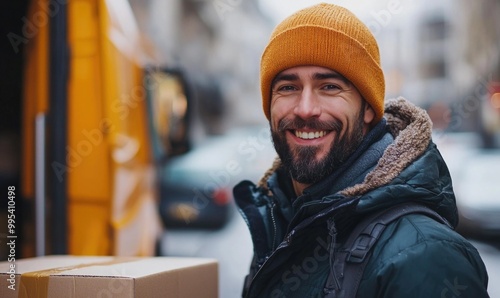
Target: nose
{"type": "Point", "coordinates": [308, 105]}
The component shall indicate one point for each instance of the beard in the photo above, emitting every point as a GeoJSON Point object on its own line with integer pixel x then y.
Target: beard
{"type": "Point", "coordinates": [301, 161]}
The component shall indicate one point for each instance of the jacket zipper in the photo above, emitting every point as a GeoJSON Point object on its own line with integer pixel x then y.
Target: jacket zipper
{"type": "Point", "coordinates": [282, 245]}
{"type": "Point", "coordinates": [274, 224]}
{"type": "Point", "coordinates": [332, 232]}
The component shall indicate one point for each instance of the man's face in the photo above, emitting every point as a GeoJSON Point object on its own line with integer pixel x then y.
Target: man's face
{"type": "Point", "coordinates": [318, 118]}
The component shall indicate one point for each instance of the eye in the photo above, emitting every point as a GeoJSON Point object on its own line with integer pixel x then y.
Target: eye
{"type": "Point", "coordinates": [331, 87]}
{"type": "Point", "coordinates": [286, 88]}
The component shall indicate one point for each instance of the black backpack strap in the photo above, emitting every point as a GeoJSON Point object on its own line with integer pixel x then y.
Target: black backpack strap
{"type": "Point", "coordinates": [352, 259]}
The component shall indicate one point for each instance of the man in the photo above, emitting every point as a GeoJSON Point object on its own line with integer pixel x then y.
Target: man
{"type": "Point", "coordinates": [342, 158]}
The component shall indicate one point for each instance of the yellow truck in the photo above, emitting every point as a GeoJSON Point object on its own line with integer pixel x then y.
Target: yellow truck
{"type": "Point", "coordinates": [97, 117]}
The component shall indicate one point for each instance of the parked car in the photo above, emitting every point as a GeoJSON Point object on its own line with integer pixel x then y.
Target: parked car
{"type": "Point", "coordinates": [475, 181]}
{"type": "Point", "coordinates": [196, 187]}
{"type": "Point", "coordinates": [478, 194]}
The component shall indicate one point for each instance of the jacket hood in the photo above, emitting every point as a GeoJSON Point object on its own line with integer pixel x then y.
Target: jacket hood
{"type": "Point", "coordinates": [411, 167]}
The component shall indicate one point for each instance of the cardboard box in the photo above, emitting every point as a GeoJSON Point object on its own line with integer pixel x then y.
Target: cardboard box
{"type": "Point", "coordinates": [124, 277]}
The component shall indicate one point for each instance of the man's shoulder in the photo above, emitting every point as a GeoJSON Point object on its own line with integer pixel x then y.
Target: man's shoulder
{"type": "Point", "coordinates": [418, 250]}
{"type": "Point", "coordinates": [426, 229]}
{"type": "Point", "coordinates": [417, 229]}
{"type": "Point", "coordinates": [416, 237]}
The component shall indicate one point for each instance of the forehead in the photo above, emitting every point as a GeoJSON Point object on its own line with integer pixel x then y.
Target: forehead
{"type": "Point", "coordinates": [308, 69]}
{"type": "Point", "coordinates": [309, 72]}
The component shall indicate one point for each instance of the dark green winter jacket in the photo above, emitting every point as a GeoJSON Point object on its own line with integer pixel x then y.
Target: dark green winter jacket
{"type": "Point", "coordinates": [416, 256]}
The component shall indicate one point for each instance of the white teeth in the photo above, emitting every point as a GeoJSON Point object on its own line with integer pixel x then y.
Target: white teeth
{"type": "Point", "coordinates": [309, 135]}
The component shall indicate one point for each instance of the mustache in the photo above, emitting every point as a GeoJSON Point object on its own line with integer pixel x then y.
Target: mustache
{"type": "Point", "coordinates": [313, 123]}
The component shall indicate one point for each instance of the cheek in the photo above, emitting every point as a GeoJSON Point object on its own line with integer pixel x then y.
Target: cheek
{"type": "Point", "coordinates": [278, 112]}
{"type": "Point", "coordinates": [276, 105]}
{"type": "Point", "coordinates": [355, 121]}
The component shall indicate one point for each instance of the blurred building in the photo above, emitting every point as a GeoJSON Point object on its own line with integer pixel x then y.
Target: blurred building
{"type": "Point", "coordinates": [482, 56]}
{"type": "Point", "coordinates": [442, 55]}
{"type": "Point", "coordinates": [218, 44]}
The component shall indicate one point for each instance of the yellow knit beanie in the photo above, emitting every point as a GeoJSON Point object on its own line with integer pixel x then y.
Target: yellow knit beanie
{"type": "Point", "coordinates": [330, 36]}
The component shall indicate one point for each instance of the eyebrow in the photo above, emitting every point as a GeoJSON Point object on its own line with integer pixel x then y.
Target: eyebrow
{"type": "Point", "coordinates": [284, 77]}
{"type": "Point", "coordinates": [316, 76]}
{"type": "Point", "coordinates": [331, 75]}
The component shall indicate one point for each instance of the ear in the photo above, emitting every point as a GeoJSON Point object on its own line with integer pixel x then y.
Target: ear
{"type": "Point", "coordinates": [369, 114]}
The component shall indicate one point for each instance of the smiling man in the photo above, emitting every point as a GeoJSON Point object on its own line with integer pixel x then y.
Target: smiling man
{"type": "Point", "coordinates": [348, 159]}
{"type": "Point", "coordinates": [318, 119]}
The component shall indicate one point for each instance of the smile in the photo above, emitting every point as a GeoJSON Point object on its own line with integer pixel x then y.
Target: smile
{"type": "Point", "coordinates": [308, 135]}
